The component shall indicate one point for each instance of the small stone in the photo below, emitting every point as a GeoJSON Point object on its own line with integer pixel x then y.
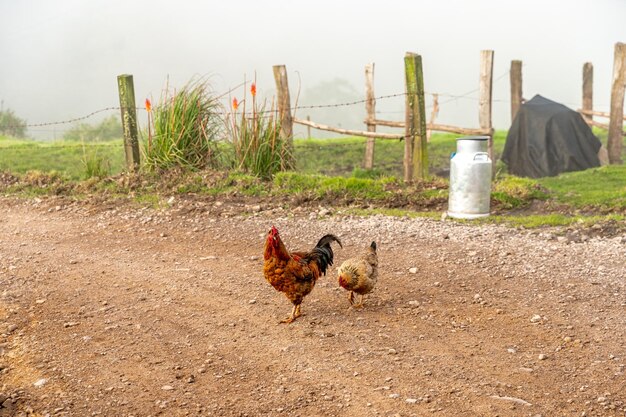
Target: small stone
{"type": "Point", "coordinates": [11, 328]}
{"type": "Point", "coordinates": [191, 379]}
{"type": "Point", "coordinates": [567, 339]}
{"type": "Point", "coordinates": [167, 388]}
{"type": "Point", "coordinates": [40, 301]}
{"type": "Point", "coordinates": [171, 200]}
{"type": "Point", "coordinates": [536, 318]}
{"type": "Point", "coordinates": [392, 351]}
{"type": "Point", "coordinates": [542, 356]}
{"type": "Point", "coordinates": [394, 395]}
{"type": "Point", "coordinates": [70, 324]}
{"type": "Point", "coordinates": [256, 208]}
{"type": "Point", "coordinates": [414, 303]}
{"type": "Point", "coordinates": [73, 261]}
{"type": "Point", "coordinates": [511, 350]}
{"type": "Point", "coordinates": [255, 258]}
{"type": "Point", "coordinates": [40, 383]}
{"type": "Point", "coordinates": [601, 399]}
{"type": "Point", "coordinates": [413, 270]}
{"type": "Point", "coordinates": [252, 301]}
{"type": "Point", "coordinates": [411, 400]}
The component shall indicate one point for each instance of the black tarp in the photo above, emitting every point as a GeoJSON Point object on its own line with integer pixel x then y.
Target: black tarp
{"type": "Point", "coordinates": [547, 138]}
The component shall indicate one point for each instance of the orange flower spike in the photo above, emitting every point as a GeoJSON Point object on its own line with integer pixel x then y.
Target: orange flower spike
{"type": "Point", "coordinates": [253, 89]}
{"type": "Point", "coordinates": [235, 104]}
{"type": "Point", "coordinates": [148, 105]}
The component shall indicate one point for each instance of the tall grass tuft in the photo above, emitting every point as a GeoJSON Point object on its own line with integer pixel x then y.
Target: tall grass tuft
{"type": "Point", "coordinates": [94, 165]}
{"type": "Point", "coordinates": [258, 147]}
{"type": "Point", "coordinates": [187, 124]}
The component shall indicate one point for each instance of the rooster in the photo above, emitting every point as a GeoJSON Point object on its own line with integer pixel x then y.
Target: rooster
{"type": "Point", "coordinates": [295, 273]}
{"type": "Point", "coordinates": [359, 274]}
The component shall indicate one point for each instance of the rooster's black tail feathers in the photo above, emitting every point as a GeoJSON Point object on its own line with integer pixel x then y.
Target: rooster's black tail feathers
{"type": "Point", "coordinates": [323, 253]}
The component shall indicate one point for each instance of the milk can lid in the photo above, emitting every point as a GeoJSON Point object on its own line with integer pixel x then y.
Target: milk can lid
{"type": "Point", "coordinates": [474, 138]}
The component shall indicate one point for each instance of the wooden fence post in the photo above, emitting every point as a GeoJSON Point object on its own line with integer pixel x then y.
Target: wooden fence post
{"type": "Point", "coordinates": [588, 90]}
{"type": "Point", "coordinates": [433, 116]}
{"type": "Point", "coordinates": [284, 107]}
{"type": "Point", "coordinates": [415, 149]}
{"type": "Point", "coordinates": [485, 94]}
{"type": "Point", "coordinates": [370, 109]}
{"type": "Point", "coordinates": [516, 87]}
{"type": "Point", "coordinates": [126, 91]}
{"type": "Point", "coordinates": [308, 128]}
{"type": "Point", "coordinates": [616, 121]}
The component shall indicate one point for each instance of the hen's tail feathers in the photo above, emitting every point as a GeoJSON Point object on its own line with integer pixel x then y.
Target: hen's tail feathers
{"type": "Point", "coordinates": [322, 253]}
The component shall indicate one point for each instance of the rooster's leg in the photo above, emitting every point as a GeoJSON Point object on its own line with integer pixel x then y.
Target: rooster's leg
{"type": "Point", "coordinates": [295, 313]}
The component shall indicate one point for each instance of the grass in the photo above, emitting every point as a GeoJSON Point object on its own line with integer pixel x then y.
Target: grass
{"type": "Point", "coordinates": [69, 158]}
{"type": "Point", "coordinates": [593, 195]}
{"type": "Point", "coordinates": [344, 156]}
{"type": "Point", "coordinates": [186, 127]}
{"type": "Point", "coordinates": [603, 188]}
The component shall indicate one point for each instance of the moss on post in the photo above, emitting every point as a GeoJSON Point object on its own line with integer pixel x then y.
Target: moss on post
{"type": "Point", "coordinates": [416, 151]}
{"type": "Point", "coordinates": [126, 91]}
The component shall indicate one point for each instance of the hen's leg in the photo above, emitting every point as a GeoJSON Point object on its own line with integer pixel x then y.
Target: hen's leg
{"type": "Point", "coordinates": [360, 304]}
{"type": "Point", "coordinates": [351, 297]}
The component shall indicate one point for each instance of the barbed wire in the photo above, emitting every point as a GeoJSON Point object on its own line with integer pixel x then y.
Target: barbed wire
{"type": "Point", "coordinates": [275, 112]}
{"type": "Point", "coordinates": [54, 146]}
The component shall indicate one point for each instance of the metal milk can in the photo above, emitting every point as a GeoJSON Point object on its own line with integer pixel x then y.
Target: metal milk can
{"type": "Point", "coordinates": [470, 179]}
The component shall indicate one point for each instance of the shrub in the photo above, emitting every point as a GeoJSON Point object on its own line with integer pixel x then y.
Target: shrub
{"type": "Point", "coordinates": [257, 144]}
{"type": "Point", "coordinates": [11, 125]}
{"type": "Point", "coordinates": [108, 129]}
{"type": "Point", "coordinates": [186, 127]}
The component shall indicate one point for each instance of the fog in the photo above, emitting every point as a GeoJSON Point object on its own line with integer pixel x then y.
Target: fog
{"type": "Point", "coordinates": [59, 59]}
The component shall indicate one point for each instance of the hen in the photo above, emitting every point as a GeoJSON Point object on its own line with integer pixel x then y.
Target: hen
{"type": "Point", "coordinates": [295, 273]}
{"type": "Point", "coordinates": [359, 274]}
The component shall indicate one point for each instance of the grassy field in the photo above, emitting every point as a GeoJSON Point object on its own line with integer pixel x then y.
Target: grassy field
{"type": "Point", "coordinates": [69, 158]}
{"type": "Point", "coordinates": [328, 170]}
{"type": "Point", "coordinates": [332, 157]}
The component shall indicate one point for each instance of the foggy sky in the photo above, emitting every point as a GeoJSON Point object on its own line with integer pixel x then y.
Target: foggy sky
{"type": "Point", "coordinates": [60, 59]}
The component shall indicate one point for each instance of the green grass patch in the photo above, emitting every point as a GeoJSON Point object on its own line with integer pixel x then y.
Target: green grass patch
{"type": "Point", "coordinates": [603, 187]}
{"type": "Point", "coordinates": [551, 220]}
{"type": "Point", "coordinates": [70, 158]}
{"type": "Point", "coordinates": [323, 186]}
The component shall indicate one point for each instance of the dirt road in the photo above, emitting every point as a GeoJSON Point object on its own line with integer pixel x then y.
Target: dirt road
{"type": "Point", "coordinates": [109, 311]}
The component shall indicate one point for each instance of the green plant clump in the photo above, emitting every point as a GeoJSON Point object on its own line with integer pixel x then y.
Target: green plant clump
{"type": "Point", "coordinates": [187, 125]}
{"type": "Point", "coordinates": [258, 146]}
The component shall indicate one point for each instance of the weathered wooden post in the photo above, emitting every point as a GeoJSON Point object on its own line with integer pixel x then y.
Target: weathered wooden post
{"type": "Point", "coordinates": [433, 116]}
{"type": "Point", "coordinates": [308, 128]}
{"type": "Point", "coordinates": [516, 87]}
{"type": "Point", "coordinates": [284, 106]}
{"type": "Point", "coordinates": [370, 109]}
{"type": "Point", "coordinates": [126, 91]}
{"type": "Point", "coordinates": [587, 91]}
{"type": "Point", "coordinates": [484, 101]}
{"type": "Point", "coordinates": [616, 121]}
{"type": "Point", "coordinates": [415, 149]}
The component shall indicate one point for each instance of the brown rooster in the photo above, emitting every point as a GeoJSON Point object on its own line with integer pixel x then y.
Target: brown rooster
{"type": "Point", "coordinates": [295, 273]}
{"type": "Point", "coordinates": [359, 275]}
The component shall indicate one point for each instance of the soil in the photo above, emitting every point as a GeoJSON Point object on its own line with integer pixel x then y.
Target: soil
{"type": "Point", "coordinates": [114, 310]}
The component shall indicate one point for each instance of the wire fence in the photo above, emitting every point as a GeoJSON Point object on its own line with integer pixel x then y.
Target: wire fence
{"type": "Point", "coordinates": [337, 158]}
